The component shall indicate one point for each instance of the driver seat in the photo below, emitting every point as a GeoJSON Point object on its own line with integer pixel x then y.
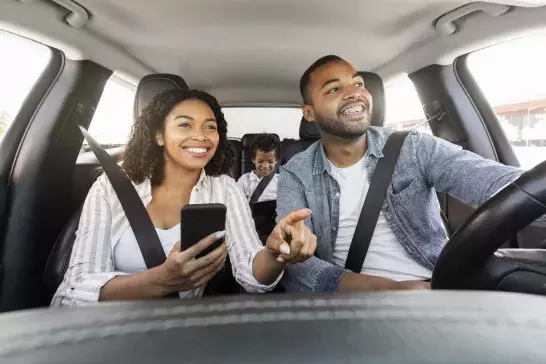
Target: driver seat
{"type": "Point", "coordinates": [59, 257]}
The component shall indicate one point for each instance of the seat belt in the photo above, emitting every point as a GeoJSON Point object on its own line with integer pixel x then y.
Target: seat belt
{"type": "Point", "coordinates": [262, 185]}
{"type": "Point", "coordinates": [143, 228]}
{"type": "Point", "coordinates": [381, 180]}
{"type": "Point", "coordinates": [146, 236]}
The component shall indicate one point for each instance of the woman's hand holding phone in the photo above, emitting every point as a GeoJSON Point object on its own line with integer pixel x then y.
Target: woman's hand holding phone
{"type": "Point", "coordinates": [182, 272]}
{"type": "Point", "coordinates": [291, 240]}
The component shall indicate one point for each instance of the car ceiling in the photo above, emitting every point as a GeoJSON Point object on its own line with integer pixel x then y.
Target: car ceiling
{"type": "Point", "coordinates": [252, 51]}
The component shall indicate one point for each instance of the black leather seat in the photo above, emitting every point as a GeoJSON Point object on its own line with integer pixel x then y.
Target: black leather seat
{"type": "Point", "coordinates": [246, 154]}
{"type": "Point", "coordinates": [309, 133]}
{"type": "Point", "coordinates": [235, 171]}
{"type": "Point", "coordinates": [151, 85]}
{"type": "Point", "coordinates": [290, 147]}
{"type": "Point", "coordinates": [59, 257]}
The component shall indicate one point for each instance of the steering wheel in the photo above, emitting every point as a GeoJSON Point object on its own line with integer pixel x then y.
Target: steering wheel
{"type": "Point", "coordinates": [470, 259]}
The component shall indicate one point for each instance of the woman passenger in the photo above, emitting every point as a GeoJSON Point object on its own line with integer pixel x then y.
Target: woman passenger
{"type": "Point", "coordinates": [178, 154]}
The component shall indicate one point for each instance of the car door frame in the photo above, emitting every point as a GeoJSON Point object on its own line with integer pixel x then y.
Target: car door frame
{"type": "Point", "coordinates": [39, 172]}
{"type": "Point", "coordinates": [531, 237]}
{"type": "Point", "coordinates": [470, 122]}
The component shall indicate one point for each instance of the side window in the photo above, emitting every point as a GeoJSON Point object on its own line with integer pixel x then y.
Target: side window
{"type": "Point", "coordinates": [113, 118]}
{"type": "Point", "coordinates": [22, 61]}
{"type": "Point", "coordinates": [512, 76]}
{"type": "Point", "coordinates": [403, 107]}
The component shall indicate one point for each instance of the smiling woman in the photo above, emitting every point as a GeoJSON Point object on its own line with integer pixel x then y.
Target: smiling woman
{"type": "Point", "coordinates": [177, 154]}
{"type": "Point", "coordinates": [175, 124]}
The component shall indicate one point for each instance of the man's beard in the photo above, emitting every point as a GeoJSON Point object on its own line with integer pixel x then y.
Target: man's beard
{"type": "Point", "coordinates": [344, 130]}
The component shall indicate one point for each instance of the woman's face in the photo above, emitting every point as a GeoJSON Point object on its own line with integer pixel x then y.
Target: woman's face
{"type": "Point", "coordinates": [190, 137]}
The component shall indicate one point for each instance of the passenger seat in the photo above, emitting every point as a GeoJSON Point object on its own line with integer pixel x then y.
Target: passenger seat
{"type": "Point", "coordinates": [59, 257]}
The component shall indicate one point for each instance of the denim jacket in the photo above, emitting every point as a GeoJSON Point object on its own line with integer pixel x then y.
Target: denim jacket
{"type": "Point", "coordinates": [426, 165]}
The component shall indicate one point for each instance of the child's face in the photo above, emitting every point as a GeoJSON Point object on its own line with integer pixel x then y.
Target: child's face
{"type": "Point", "coordinates": [264, 162]}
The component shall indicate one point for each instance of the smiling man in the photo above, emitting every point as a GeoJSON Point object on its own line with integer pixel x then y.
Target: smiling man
{"type": "Point", "coordinates": [332, 179]}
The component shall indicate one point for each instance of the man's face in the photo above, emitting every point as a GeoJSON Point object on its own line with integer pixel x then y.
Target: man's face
{"type": "Point", "coordinates": [340, 105]}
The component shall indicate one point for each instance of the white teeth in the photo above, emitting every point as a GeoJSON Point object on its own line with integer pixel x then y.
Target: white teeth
{"type": "Point", "coordinates": [353, 110]}
{"type": "Point", "coordinates": [197, 150]}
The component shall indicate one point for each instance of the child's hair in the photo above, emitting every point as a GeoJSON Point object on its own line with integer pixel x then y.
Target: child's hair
{"type": "Point", "coordinates": [266, 143]}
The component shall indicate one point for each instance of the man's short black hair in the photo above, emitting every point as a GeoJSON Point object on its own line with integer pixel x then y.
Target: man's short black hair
{"type": "Point", "coordinates": [306, 77]}
{"type": "Point", "coordinates": [266, 143]}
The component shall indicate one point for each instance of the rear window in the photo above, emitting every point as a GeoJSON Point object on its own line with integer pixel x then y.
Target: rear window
{"type": "Point", "coordinates": [245, 120]}
{"type": "Point", "coordinates": [113, 119]}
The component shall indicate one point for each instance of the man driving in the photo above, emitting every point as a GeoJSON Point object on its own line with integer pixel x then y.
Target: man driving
{"type": "Point", "coordinates": [332, 178]}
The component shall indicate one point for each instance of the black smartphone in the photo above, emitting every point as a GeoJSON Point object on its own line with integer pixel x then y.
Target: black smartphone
{"type": "Point", "coordinates": [199, 221]}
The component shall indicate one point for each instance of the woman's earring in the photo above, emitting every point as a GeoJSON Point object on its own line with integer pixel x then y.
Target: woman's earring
{"type": "Point", "coordinates": [159, 140]}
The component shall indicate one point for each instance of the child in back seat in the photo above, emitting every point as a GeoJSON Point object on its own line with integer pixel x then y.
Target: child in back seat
{"type": "Point", "coordinates": [265, 156]}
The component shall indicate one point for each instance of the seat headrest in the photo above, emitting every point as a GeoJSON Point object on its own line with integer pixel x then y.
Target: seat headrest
{"type": "Point", "coordinates": [151, 85]}
{"type": "Point", "coordinates": [308, 130]}
{"type": "Point", "coordinates": [374, 84]}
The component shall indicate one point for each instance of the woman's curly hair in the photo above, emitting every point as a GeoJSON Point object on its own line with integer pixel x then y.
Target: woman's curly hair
{"type": "Point", "coordinates": [143, 157]}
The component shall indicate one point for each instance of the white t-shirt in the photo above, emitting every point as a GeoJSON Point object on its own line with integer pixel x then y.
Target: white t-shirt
{"type": "Point", "coordinates": [386, 257]}
{"type": "Point", "coordinates": [249, 181]}
{"type": "Point", "coordinates": [129, 259]}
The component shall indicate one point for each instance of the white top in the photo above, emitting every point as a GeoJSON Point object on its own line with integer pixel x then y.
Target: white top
{"type": "Point", "coordinates": [103, 224]}
{"type": "Point", "coordinates": [386, 257]}
{"type": "Point", "coordinates": [249, 181]}
{"type": "Point", "coordinates": [129, 259]}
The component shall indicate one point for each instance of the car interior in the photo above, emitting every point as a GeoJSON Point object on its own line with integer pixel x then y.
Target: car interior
{"type": "Point", "coordinates": [471, 73]}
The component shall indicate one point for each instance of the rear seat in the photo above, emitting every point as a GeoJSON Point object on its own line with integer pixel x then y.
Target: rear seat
{"type": "Point", "coordinates": [235, 171]}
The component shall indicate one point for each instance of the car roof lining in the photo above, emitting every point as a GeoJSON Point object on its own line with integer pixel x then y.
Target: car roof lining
{"type": "Point", "coordinates": [516, 23]}
{"type": "Point", "coordinates": [247, 52]}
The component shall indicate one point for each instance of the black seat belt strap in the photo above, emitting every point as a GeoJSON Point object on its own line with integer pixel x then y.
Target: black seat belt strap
{"type": "Point", "coordinates": [381, 180]}
{"type": "Point", "coordinates": [143, 228]}
{"type": "Point", "coordinates": [262, 185]}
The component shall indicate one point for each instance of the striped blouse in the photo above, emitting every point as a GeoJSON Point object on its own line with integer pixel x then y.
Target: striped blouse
{"type": "Point", "coordinates": [103, 222]}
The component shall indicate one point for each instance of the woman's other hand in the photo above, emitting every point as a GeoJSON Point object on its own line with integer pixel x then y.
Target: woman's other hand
{"type": "Point", "coordinates": [182, 272]}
